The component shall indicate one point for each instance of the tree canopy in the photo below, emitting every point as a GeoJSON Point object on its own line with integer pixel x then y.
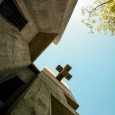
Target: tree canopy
{"type": "Point", "coordinates": [100, 17]}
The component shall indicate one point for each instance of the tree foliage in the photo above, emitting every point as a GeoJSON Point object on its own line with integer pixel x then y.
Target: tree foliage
{"type": "Point", "coordinates": [100, 17]}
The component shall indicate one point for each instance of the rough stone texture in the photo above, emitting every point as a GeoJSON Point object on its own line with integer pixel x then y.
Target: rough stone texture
{"type": "Point", "coordinates": [40, 99]}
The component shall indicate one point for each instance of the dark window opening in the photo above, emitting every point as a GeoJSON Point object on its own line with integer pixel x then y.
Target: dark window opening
{"type": "Point", "coordinates": [71, 102]}
{"type": "Point", "coordinates": [34, 69]}
{"type": "Point", "coordinates": [8, 87]}
{"type": "Point", "coordinates": [10, 12]}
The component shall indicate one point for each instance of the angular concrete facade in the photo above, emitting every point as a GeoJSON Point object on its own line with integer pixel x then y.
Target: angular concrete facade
{"type": "Point", "coordinates": [13, 85]}
{"type": "Point", "coordinates": [46, 21]}
{"type": "Point", "coordinates": [44, 96]}
{"type": "Point", "coordinates": [27, 28]}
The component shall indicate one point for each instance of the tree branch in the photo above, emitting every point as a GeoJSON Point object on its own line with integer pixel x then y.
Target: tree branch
{"type": "Point", "coordinates": [99, 6]}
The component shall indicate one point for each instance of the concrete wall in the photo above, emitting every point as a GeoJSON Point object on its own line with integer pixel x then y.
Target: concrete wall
{"type": "Point", "coordinates": [26, 76]}
{"type": "Point", "coordinates": [40, 42]}
{"type": "Point", "coordinates": [46, 21]}
{"type": "Point", "coordinates": [14, 51]}
{"type": "Point", "coordinates": [66, 17]}
{"type": "Point", "coordinates": [37, 100]}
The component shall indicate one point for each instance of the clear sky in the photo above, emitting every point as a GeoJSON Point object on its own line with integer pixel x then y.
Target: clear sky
{"type": "Point", "coordinates": [92, 57]}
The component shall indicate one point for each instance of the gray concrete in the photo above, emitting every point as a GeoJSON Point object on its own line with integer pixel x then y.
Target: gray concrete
{"type": "Point", "coordinates": [47, 20]}
{"type": "Point", "coordinates": [26, 76]}
{"type": "Point", "coordinates": [42, 98]}
{"type": "Point", "coordinates": [40, 42]}
{"type": "Point", "coordinates": [48, 17]}
{"type": "Point", "coordinates": [14, 52]}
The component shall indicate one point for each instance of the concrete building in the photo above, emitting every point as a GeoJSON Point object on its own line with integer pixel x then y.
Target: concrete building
{"type": "Point", "coordinates": [33, 92]}
{"type": "Point", "coordinates": [27, 28]}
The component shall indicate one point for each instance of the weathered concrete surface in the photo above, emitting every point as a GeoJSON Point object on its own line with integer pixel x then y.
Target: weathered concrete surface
{"type": "Point", "coordinates": [51, 16]}
{"type": "Point", "coordinates": [68, 95]}
{"type": "Point", "coordinates": [67, 14]}
{"type": "Point", "coordinates": [40, 43]}
{"type": "Point", "coordinates": [60, 84]}
{"type": "Point", "coordinates": [35, 102]}
{"type": "Point", "coordinates": [59, 108]}
{"type": "Point", "coordinates": [47, 14]}
{"type": "Point", "coordinates": [23, 77]}
{"type": "Point", "coordinates": [39, 101]}
{"type": "Point", "coordinates": [30, 30]}
{"type": "Point", "coordinates": [46, 19]}
{"type": "Point", "coordinates": [14, 51]}
{"type": "Point", "coordinates": [26, 75]}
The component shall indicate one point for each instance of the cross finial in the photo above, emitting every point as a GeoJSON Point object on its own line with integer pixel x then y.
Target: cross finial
{"type": "Point", "coordinates": [63, 72]}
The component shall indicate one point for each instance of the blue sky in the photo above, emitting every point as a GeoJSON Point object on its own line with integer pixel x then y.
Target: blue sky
{"type": "Point", "coordinates": [92, 57]}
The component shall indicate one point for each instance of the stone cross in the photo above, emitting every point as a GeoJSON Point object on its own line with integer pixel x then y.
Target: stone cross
{"type": "Point", "coordinates": [63, 72]}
